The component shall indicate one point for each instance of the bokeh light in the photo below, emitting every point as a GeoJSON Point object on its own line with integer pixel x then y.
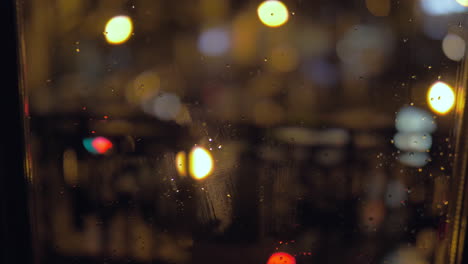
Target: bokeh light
{"type": "Point", "coordinates": [200, 163]}
{"type": "Point", "coordinates": [413, 119]}
{"type": "Point", "coordinates": [378, 7]}
{"type": "Point", "coordinates": [414, 159]}
{"type": "Point", "coordinates": [442, 7]}
{"type": "Point", "coordinates": [214, 41]}
{"type": "Point", "coordinates": [97, 145]}
{"type": "Point", "coordinates": [181, 163]}
{"type": "Point", "coordinates": [441, 98]}
{"type": "Point", "coordinates": [281, 258]}
{"type": "Point", "coordinates": [118, 29]}
{"type": "Point", "coordinates": [273, 13]}
{"type": "Point", "coordinates": [463, 2]}
{"type": "Point", "coordinates": [415, 141]}
{"type": "Point", "coordinates": [453, 47]}
{"type": "Point", "coordinates": [166, 106]}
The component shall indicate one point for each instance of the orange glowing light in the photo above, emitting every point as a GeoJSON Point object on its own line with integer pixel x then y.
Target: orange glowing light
{"type": "Point", "coordinates": [281, 258]}
{"type": "Point", "coordinates": [101, 145]}
{"type": "Point", "coordinates": [181, 163]}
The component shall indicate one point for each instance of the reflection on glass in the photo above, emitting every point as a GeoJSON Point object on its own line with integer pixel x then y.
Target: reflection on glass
{"type": "Point", "coordinates": [226, 131]}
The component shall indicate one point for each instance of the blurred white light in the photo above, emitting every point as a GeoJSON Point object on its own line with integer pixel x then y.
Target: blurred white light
{"type": "Point", "coordinates": [415, 141]}
{"type": "Point", "coordinates": [412, 119]}
{"type": "Point", "coordinates": [395, 194]}
{"type": "Point", "coordinates": [441, 7]}
{"type": "Point", "coordinates": [214, 41]}
{"type": "Point", "coordinates": [453, 47]}
{"type": "Point", "coordinates": [414, 159]}
{"type": "Point", "coordinates": [463, 2]}
{"type": "Point", "coordinates": [166, 106]}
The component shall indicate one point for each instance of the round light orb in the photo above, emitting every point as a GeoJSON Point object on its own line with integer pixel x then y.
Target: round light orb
{"type": "Point", "coordinates": [118, 29]}
{"type": "Point", "coordinates": [273, 13]}
{"type": "Point", "coordinates": [200, 163]}
{"type": "Point", "coordinates": [441, 98]}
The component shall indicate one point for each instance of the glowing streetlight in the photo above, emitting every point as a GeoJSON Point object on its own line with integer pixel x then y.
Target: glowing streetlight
{"type": "Point", "coordinates": [441, 98]}
{"type": "Point", "coordinates": [273, 13]}
{"type": "Point", "coordinates": [118, 29]}
{"type": "Point", "coordinates": [200, 163]}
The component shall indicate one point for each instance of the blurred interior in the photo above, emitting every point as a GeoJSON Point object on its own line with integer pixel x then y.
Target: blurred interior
{"type": "Point", "coordinates": [221, 131]}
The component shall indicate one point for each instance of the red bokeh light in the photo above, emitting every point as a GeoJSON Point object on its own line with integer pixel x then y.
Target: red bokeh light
{"type": "Point", "coordinates": [101, 145]}
{"type": "Point", "coordinates": [281, 258]}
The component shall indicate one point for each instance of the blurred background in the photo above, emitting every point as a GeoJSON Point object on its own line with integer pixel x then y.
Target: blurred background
{"type": "Point", "coordinates": [270, 131]}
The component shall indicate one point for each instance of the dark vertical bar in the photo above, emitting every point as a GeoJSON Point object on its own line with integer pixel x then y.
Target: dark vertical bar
{"type": "Point", "coordinates": [15, 232]}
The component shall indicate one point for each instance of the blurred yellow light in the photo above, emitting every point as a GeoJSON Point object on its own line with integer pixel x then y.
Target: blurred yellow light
{"type": "Point", "coordinates": [463, 2]}
{"type": "Point", "coordinates": [181, 163]}
{"type": "Point", "coordinates": [441, 97]}
{"type": "Point", "coordinates": [118, 29]}
{"type": "Point", "coordinates": [200, 163]}
{"type": "Point", "coordinates": [273, 13]}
